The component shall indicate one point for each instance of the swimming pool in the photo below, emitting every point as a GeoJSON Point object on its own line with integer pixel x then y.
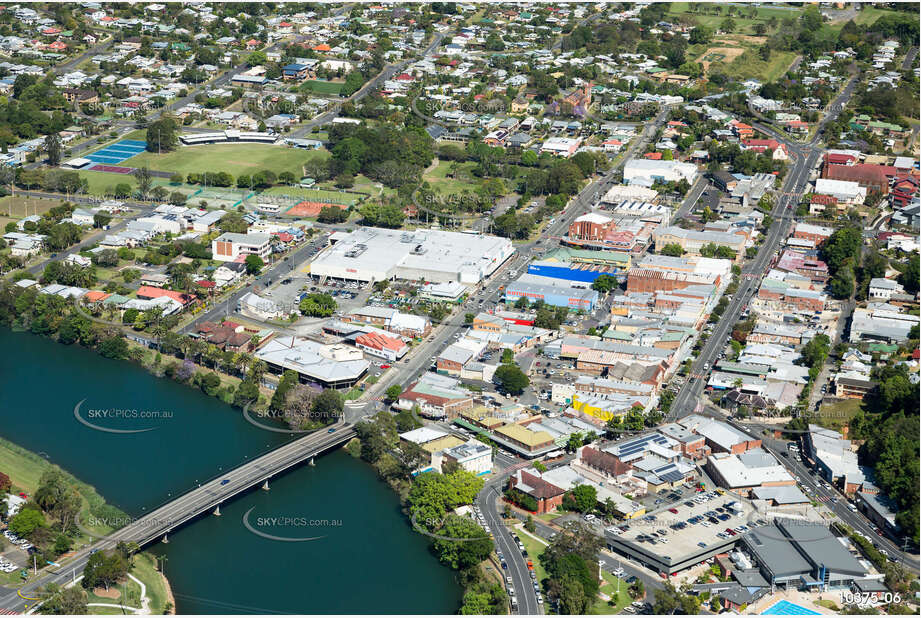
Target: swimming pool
{"type": "Point", "coordinates": [786, 608]}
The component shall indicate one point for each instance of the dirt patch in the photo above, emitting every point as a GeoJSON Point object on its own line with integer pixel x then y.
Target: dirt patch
{"type": "Point", "coordinates": [719, 55]}
{"type": "Point", "coordinates": [746, 38]}
{"type": "Point", "coordinates": [111, 593]}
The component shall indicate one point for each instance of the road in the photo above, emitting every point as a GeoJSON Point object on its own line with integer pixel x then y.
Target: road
{"type": "Point", "coordinates": [372, 85]}
{"type": "Point", "coordinates": [189, 505]}
{"type": "Point", "coordinates": [685, 401]}
{"type": "Point", "coordinates": [805, 157]}
{"type": "Point", "coordinates": [278, 270]}
{"type": "Point", "coordinates": [489, 503]}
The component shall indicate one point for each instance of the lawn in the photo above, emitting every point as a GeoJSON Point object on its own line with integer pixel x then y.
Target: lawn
{"type": "Point", "coordinates": [610, 587]}
{"type": "Point", "coordinates": [837, 415]}
{"type": "Point", "coordinates": [441, 181]}
{"type": "Point", "coordinates": [145, 569]}
{"type": "Point", "coordinates": [234, 159]}
{"type": "Point", "coordinates": [322, 87]}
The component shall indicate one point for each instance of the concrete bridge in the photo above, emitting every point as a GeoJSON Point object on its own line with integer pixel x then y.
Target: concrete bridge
{"type": "Point", "coordinates": [205, 498]}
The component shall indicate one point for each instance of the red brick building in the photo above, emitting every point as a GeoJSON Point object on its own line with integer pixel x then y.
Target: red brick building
{"type": "Point", "coordinates": [654, 280]}
{"type": "Point", "coordinates": [547, 495]}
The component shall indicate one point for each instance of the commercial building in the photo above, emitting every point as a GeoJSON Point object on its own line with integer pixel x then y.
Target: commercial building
{"type": "Point", "coordinates": [747, 471]}
{"type": "Point", "coordinates": [836, 459]}
{"type": "Point", "coordinates": [693, 241]}
{"type": "Point", "coordinates": [328, 366]}
{"type": "Point", "coordinates": [229, 246]}
{"type": "Point", "coordinates": [647, 171]}
{"type": "Point", "coordinates": [375, 254]}
{"type": "Point", "coordinates": [799, 554]}
{"type": "Point", "coordinates": [437, 396]}
{"type": "Point", "coordinates": [406, 324]}
{"type": "Point", "coordinates": [472, 456]}
{"type": "Point", "coordinates": [556, 292]}
{"type": "Point", "coordinates": [376, 344]}
{"type": "Point", "coordinates": [844, 191]}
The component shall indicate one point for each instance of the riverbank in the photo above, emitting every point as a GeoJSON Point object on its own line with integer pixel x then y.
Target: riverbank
{"type": "Point", "coordinates": [26, 470]}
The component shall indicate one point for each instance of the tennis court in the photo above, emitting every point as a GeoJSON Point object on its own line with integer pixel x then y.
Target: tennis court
{"type": "Point", "coordinates": [115, 169]}
{"type": "Point", "coordinates": [114, 154]}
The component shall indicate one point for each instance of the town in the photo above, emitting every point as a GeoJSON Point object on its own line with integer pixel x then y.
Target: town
{"type": "Point", "coordinates": [621, 300]}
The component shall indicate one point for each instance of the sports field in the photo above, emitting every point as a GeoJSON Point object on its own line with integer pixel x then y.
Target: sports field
{"type": "Point", "coordinates": [234, 159]}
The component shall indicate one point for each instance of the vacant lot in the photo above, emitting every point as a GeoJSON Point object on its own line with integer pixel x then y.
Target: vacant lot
{"type": "Point", "coordinates": [234, 159]}
{"type": "Point", "coordinates": [719, 56]}
{"type": "Point", "coordinates": [13, 208]}
{"type": "Point", "coordinates": [837, 415]}
{"type": "Point", "coordinates": [322, 87]}
{"type": "Point", "coordinates": [750, 65]}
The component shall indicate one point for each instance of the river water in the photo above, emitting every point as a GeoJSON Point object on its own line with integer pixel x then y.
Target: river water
{"type": "Point", "coordinates": [363, 556]}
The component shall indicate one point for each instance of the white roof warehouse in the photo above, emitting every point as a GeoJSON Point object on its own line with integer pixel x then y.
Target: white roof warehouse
{"type": "Point", "coordinates": [375, 254]}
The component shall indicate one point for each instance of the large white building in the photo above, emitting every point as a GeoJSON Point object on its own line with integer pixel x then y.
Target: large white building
{"type": "Point", "coordinates": [845, 191]}
{"type": "Point", "coordinates": [647, 171]}
{"type": "Point", "coordinates": [375, 254]}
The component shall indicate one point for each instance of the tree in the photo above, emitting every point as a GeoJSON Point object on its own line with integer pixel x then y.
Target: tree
{"type": "Point", "coordinates": [461, 554]}
{"type": "Point", "coordinates": [253, 263]}
{"type": "Point", "coordinates": [582, 498]}
{"type": "Point", "coordinates": [669, 600]}
{"type": "Point", "coordinates": [318, 305]}
{"type": "Point", "coordinates": [510, 379]}
{"type": "Point", "coordinates": [63, 601]}
{"type": "Point", "coordinates": [604, 284]}
{"type": "Point", "coordinates": [53, 149]}
{"type": "Point", "coordinates": [6, 484]}
{"type": "Point", "coordinates": [393, 392]}
{"type": "Point", "coordinates": [104, 568]}
{"type": "Point", "coordinates": [114, 347]}
{"type": "Point", "coordinates": [163, 135]}
{"type": "Point", "coordinates": [26, 521]}
{"type": "Point", "coordinates": [144, 179]}
{"type": "Point", "coordinates": [672, 249]}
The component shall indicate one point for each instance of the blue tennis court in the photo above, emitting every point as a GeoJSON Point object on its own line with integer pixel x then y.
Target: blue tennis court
{"type": "Point", "coordinates": [118, 152]}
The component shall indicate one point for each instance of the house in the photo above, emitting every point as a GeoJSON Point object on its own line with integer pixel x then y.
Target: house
{"type": "Point", "coordinates": [146, 292]}
{"type": "Point", "coordinates": [255, 306]}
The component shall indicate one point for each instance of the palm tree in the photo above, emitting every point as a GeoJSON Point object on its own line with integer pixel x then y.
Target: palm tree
{"type": "Point", "coordinates": [241, 361]}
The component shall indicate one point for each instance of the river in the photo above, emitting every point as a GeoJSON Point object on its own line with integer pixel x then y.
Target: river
{"type": "Point", "coordinates": [364, 557]}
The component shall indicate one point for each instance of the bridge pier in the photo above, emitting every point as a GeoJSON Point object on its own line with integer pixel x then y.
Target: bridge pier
{"type": "Point", "coordinates": [165, 539]}
{"type": "Point", "coordinates": [265, 486]}
{"type": "Point", "coordinates": [217, 511]}
{"type": "Point", "coordinates": [310, 463]}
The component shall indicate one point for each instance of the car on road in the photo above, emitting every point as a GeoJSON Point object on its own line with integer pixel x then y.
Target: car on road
{"type": "Point", "coordinates": [331, 430]}
{"type": "Point", "coordinates": [225, 481]}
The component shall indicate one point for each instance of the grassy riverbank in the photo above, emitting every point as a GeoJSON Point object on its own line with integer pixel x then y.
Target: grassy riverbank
{"type": "Point", "coordinates": [25, 469]}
